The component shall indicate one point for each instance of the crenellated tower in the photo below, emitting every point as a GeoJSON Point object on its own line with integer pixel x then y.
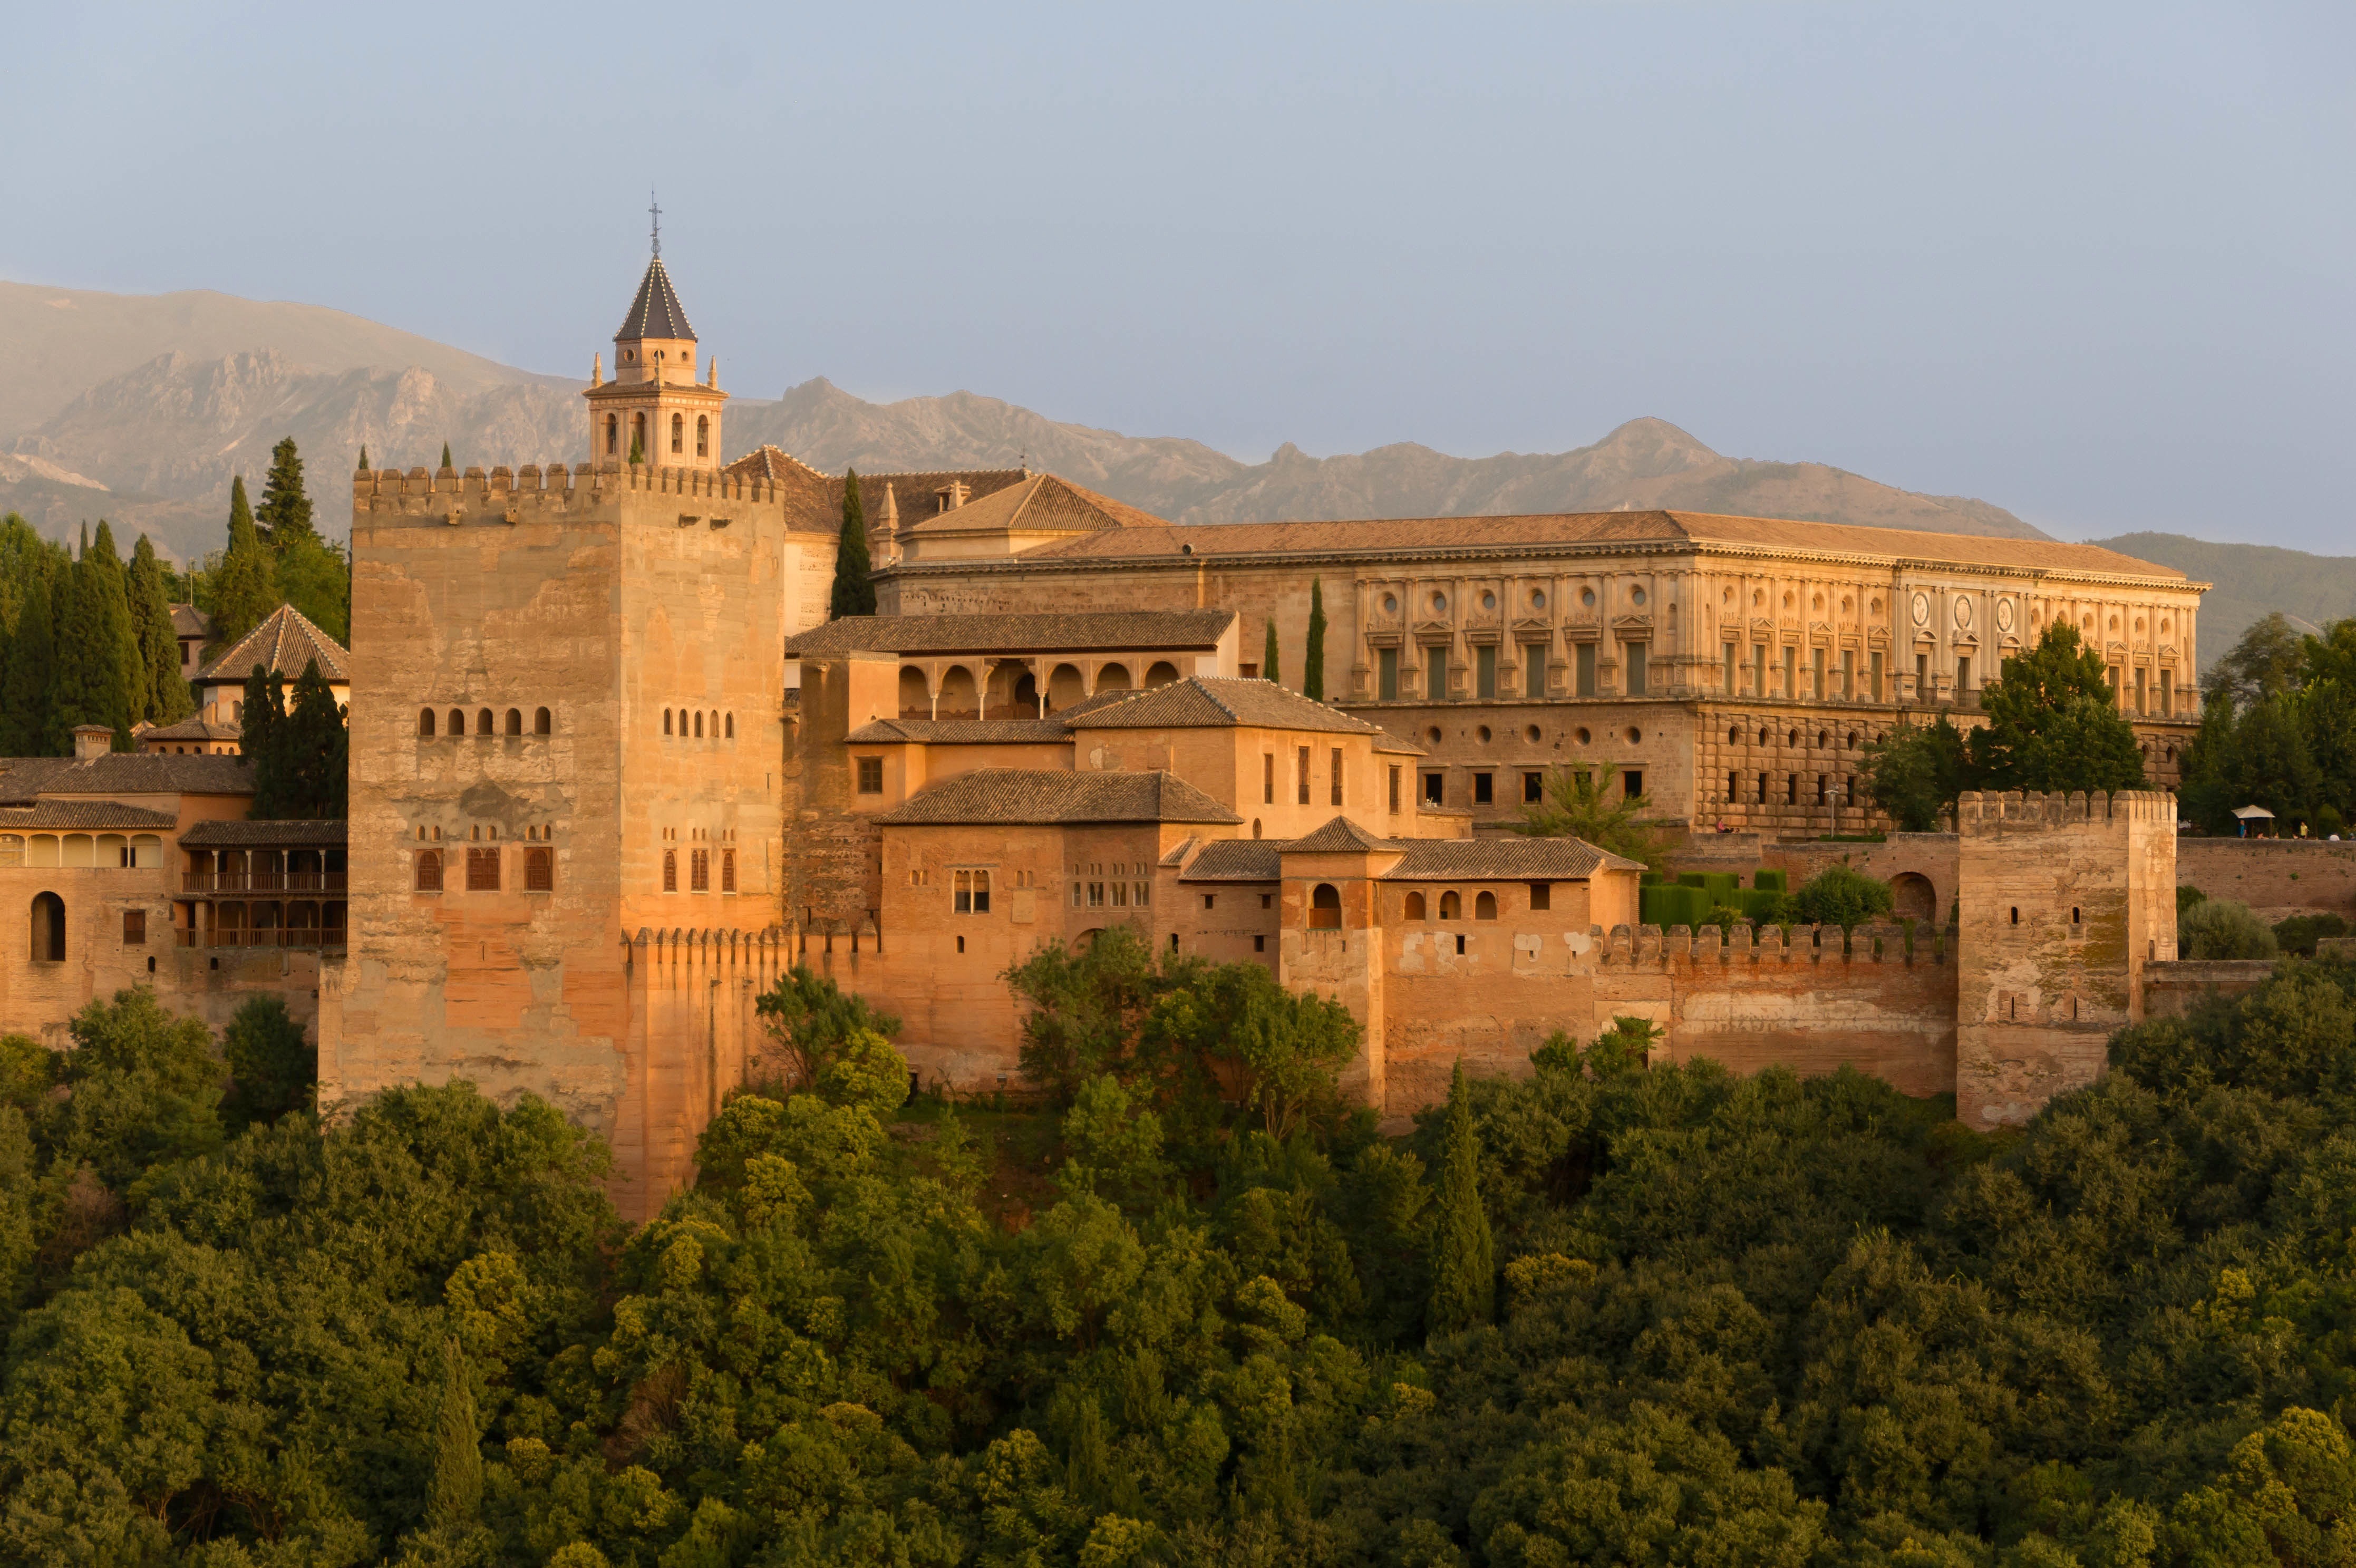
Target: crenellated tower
{"type": "Point", "coordinates": [654, 405]}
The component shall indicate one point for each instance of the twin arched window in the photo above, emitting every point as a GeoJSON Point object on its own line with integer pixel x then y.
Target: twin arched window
{"type": "Point", "coordinates": [429, 870]}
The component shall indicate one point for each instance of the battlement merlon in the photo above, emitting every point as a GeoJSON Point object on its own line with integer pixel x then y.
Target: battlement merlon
{"type": "Point", "coordinates": [443, 494]}
{"type": "Point", "coordinates": [1988, 814]}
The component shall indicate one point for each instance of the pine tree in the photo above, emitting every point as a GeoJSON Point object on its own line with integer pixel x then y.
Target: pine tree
{"type": "Point", "coordinates": [285, 517]}
{"type": "Point", "coordinates": [854, 583]}
{"type": "Point", "coordinates": [101, 673]}
{"type": "Point", "coordinates": [454, 1496]}
{"type": "Point", "coordinates": [1267, 654]}
{"type": "Point", "coordinates": [445, 453]}
{"type": "Point", "coordinates": [165, 697]}
{"type": "Point", "coordinates": [245, 589]}
{"type": "Point", "coordinates": [1464, 1263]}
{"type": "Point", "coordinates": [1313, 674]}
{"type": "Point", "coordinates": [32, 658]}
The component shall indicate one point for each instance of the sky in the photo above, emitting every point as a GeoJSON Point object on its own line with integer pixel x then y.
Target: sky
{"type": "Point", "coordinates": [2088, 261]}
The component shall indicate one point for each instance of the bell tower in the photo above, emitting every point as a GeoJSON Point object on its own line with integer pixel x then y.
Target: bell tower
{"type": "Point", "coordinates": [654, 406]}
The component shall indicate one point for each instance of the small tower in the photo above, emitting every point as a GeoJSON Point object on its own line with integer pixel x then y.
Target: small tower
{"type": "Point", "coordinates": [654, 400]}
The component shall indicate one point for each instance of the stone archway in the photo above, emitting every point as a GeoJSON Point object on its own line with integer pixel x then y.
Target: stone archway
{"type": "Point", "coordinates": [1912, 897]}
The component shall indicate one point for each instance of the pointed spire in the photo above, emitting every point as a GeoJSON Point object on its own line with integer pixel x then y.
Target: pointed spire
{"type": "Point", "coordinates": [656, 312]}
{"type": "Point", "coordinates": [597, 369]}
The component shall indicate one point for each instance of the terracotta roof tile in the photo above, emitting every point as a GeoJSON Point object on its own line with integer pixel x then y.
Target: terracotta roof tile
{"type": "Point", "coordinates": [1236, 860]}
{"type": "Point", "coordinates": [1340, 836]}
{"type": "Point", "coordinates": [26, 779]}
{"type": "Point", "coordinates": [189, 621]}
{"type": "Point", "coordinates": [264, 834]}
{"type": "Point", "coordinates": [959, 732]}
{"type": "Point", "coordinates": [1501, 860]}
{"type": "Point", "coordinates": [191, 728]}
{"type": "Point", "coordinates": [82, 814]}
{"type": "Point", "coordinates": [285, 642]}
{"type": "Point", "coordinates": [1142, 632]}
{"type": "Point", "coordinates": [1038, 503]}
{"type": "Point", "coordinates": [1212, 701]}
{"type": "Point", "coordinates": [1041, 796]}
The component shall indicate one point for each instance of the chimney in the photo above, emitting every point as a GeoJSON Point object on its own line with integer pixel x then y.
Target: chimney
{"type": "Point", "coordinates": [92, 740]}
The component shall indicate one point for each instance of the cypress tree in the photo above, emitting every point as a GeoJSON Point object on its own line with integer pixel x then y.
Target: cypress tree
{"type": "Point", "coordinates": [1463, 1264]}
{"type": "Point", "coordinates": [1313, 675]}
{"type": "Point", "coordinates": [165, 697]}
{"type": "Point", "coordinates": [265, 739]}
{"type": "Point", "coordinates": [445, 453]}
{"type": "Point", "coordinates": [638, 450]}
{"type": "Point", "coordinates": [1267, 654]}
{"type": "Point", "coordinates": [32, 658]}
{"type": "Point", "coordinates": [314, 751]}
{"type": "Point", "coordinates": [364, 462]}
{"type": "Point", "coordinates": [455, 1497]}
{"type": "Point", "coordinates": [285, 517]}
{"type": "Point", "coordinates": [100, 674]}
{"type": "Point", "coordinates": [855, 583]}
{"type": "Point", "coordinates": [245, 589]}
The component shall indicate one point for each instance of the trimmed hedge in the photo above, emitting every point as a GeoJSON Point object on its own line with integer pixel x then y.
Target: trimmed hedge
{"type": "Point", "coordinates": [1672, 904]}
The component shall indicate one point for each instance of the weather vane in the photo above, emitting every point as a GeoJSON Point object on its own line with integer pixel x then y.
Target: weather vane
{"type": "Point", "coordinates": [655, 212]}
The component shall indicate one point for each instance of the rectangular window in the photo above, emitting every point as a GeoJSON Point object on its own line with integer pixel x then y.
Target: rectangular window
{"type": "Point", "coordinates": [1076, 895]}
{"type": "Point", "coordinates": [1387, 673]}
{"type": "Point", "coordinates": [1336, 760]}
{"type": "Point", "coordinates": [1923, 677]}
{"type": "Point", "coordinates": [1434, 788]}
{"type": "Point", "coordinates": [1729, 669]}
{"type": "Point", "coordinates": [1533, 787]}
{"type": "Point", "coordinates": [1435, 674]}
{"type": "Point", "coordinates": [2143, 691]}
{"type": "Point", "coordinates": [1484, 788]}
{"type": "Point", "coordinates": [871, 776]}
{"type": "Point", "coordinates": [1259, 944]}
{"type": "Point", "coordinates": [1248, 671]}
{"type": "Point", "coordinates": [1584, 662]}
{"type": "Point", "coordinates": [539, 875]}
{"type": "Point", "coordinates": [1759, 669]}
{"type": "Point", "coordinates": [1762, 788]}
{"type": "Point", "coordinates": [1632, 782]}
{"type": "Point", "coordinates": [1210, 900]}
{"type": "Point", "coordinates": [1963, 675]}
{"type": "Point", "coordinates": [969, 892]}
{"type": "Point", "coordinates": [1301, 764]}
{"type": "Point", "coordinates": [1816, 673]}
{"type": "Point", "coordinates": [1484, 672]}
{"type": "Point", "coordinates": [2165, 696]}
{"type": "Point", "coordinates": [1394, 784]}
{"type": "Point", "coordinates": [1635, 654]}
{"type": "Point", "coordinates": [1876, 675]}
{"type": "Point", "coordinates": [429, 871]}
{"type": "Point", "coordinates": [1849, 673]}
{"type": "Point", "coordinates": [1791, 672]}
{"type": "Point", "coordinates": [1541, 896]}
{"type": "Point", "coordinates": [699, 871]}
{"type": "Point", "coordinates": [135, 928]}
{"type": "Point", "coordinates": [1791, 788]}
{"type": "Point", "coordinates": [1268, 778]}
{"type": "Point", "coordinates": [1120, 895]}
{"type": "Point", "coordinates": [1734, 788]}
{"type": "Point", "coordinates": [727, 870]}
{"type": "Point", "coordinates": [482, 870]}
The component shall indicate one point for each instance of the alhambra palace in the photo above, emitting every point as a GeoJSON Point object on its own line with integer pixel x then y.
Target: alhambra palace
{"type": "Point", "coordinates": [613, 771]}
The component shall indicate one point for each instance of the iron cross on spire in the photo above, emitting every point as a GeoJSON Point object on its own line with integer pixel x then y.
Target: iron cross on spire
{"type": "Point", "coordinates": [655, 212]}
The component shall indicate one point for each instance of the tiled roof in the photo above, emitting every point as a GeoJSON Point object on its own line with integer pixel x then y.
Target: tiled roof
{"type": "Point", "coordinates": [284, 643]}
{"type": "Point", "coordinates": [1389, 744]}
{"type": "Point", "coordinates": [1236, 860]}
{"type": "Point", "coordinates": [959, 732]}
{"type": "Point", "coordinates": [1598, 531]}
{"type": "Point", "coordinates": [1140, 631]}
{"type": "Point", "coordinates": [25, 778]}
{"type": "Point", "coordinates": [1340, 836]}
{"type": "Point", "coordinates": [813, 501]}
{"type": "Point", "coordinates": [82, 814]}
{"type": "Point", "coordinates": [191, 728]}
{"type": "Point", "coordinates": [655, 313]}
{"type": "Point", "coordinates": [189, 621]}
{"type": "Point", "coordinates": [1216, 701]}
{"type": "Point", "coordinates": [917, 495]}
{"type": "Point", "coordinates": [1039, 503]}
{"type": "Point", "coordinates": [264, 835]}
{"type": "Point", "coordinates": [1501, 860]}
{"type": "Point", "coordinates": [1035, 795]}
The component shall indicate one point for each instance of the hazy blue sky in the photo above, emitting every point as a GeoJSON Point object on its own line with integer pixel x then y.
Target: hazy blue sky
{"type": "Point", "coordinates": [2091, 262]}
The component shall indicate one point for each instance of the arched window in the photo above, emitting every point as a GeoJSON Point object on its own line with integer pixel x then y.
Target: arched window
{"type": "Point", "coordinates": [538, 870]}
{"type": "Point", "coordinates": [540, 721]}
{"type": "Point", "coordinates": [48, 929]}
{"type": "Point", "coordinates": [429, 871]}
{"type": "Point", "coordinates": [1326, 907]}
{"type": "Point", "coordinates": [515, 721]}
{"type": "Point", "coordinates": [702, 435]}
{"type": "Point", "coordinates": [639, 437]}
{"type": "Point", "coordinates": [679, 433]}
{"type": "Point", "coordinates": [1451, 907]}
{"type": "Point", "coordinates": [1415, 906]}
{"type": "Point", "coordinates": [426, 724]}
{"type": "Point", "coordinates": [457, 722]}
{"type": "Point", "coordinates": [699, 726]}
{"type": "Point", "coordinates": [666, 720]}
{"type": "Point", "coordinates": [1484, 907]}
{"type": "Point", "coordinates": [612, 435]}
{"type": "Point", "coordinates": [483, 723]}
{"type": "Point", "coordinates": [731, 727]}
{"type": "Point", "coordinates": [728, 870]}
{"type": "Point", "coordinates": [670, 871]}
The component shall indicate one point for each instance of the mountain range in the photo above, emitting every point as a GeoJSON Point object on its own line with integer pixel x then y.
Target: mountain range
{"type": "Point", "coordinates": [140, 408]}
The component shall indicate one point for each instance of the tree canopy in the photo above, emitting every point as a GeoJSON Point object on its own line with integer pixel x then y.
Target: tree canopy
{"type": "Point", "coordinates": [855, 580]}
{"type": "Point", "coordinates": [1594, 804]}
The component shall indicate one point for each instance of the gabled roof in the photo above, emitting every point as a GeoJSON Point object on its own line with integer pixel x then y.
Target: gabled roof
{"type": "Point", "coordinates": [189, 621]}
{"type": "Point", "coordinates": [1038, 503]}
{"type": "Point", "coordinates": [1031, 796]}
{"type": "Point", "coordinates": [271, 834]}
{"type": "Point", "coordinates": [959, 732]}
{"type": "Point", "coordinates": [283, 643]}
{"type": "Point", "coordinates": [1501, 860]}
{"type": "Point", "coordinates": [1236, 860]}
{"type": "Point", "coordinates": [657, 312]}
{"type": "Point", "coordinates": [1140, 631]}
{"type": "Point", "coordinates": [83, 815]}
{"type": "Point", "coordinates": [1216, 701]}
{"type": "Point", "coordinates": [1340, 836]}
{"type": "Point", "coordinates": [23, 779]}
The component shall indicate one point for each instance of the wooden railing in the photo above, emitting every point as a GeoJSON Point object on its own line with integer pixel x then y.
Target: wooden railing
{"type": "Point", "coordinates": [262, 881]}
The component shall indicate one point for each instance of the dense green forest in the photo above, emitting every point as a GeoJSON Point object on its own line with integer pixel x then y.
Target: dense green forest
{"type": "Point", "coordinates": [1605, 1314]}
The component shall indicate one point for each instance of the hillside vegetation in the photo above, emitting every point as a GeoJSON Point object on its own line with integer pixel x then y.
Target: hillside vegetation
{"type": "Point", "coordinates": [1604, 1314]}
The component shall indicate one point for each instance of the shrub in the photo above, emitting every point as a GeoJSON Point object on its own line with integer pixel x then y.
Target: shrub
{"type": "Point", "coordinates": [2300, 932]}
{"type": "Point", "coordinates": [2186, 898]}
{"type": "Point", "coordinates": [2220, 928]}
{"type": "Point", "coordinates": [1841, 895]}
{"type": "Point", "coordinates": [1772, 881]}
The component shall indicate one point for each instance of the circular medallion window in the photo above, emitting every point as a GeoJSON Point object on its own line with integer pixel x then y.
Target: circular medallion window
{"type": "Point", "coordinates": [1582, 738]}
{"type": "Point", "coordinates": [1587, 597]}
{"type": "Point", "coordinates": [1922, 609]}
{"type": "Point", "coordinates": [1440, 601]}
{"type": "Point", "coordinates": [1537, 599]}
{"type": "Point", "coordinates": [1488, 601]}
{"type": "Point", "coordinates": [2004, 614]}
{"type": "Point", "coordinates": [1533, 735]}
{"type": "Point", "coordinates": [1962, 611]}
{"type": "Point", "coordinates": [1635, 596]}
{"type": "Point", "coordinates": [1431, 736]}
{"type": "Point", "coordinates": [1636, 735]}
{"type": "Point", "coordinates": [1391, 604]}
{"type": "Point", "coordinates": [1484, 732]}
